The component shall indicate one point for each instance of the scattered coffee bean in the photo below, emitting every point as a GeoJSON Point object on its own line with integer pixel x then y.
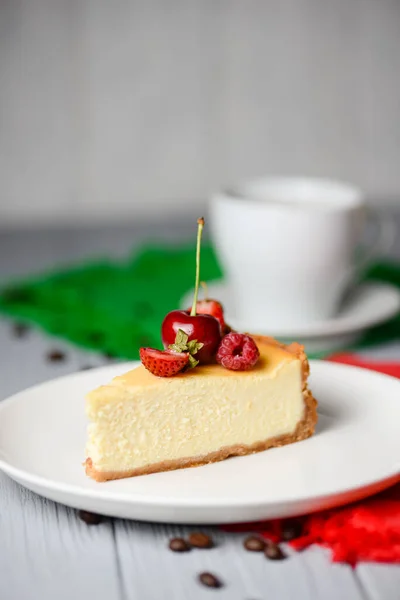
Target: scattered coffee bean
{"type": "Point", "coordinates": [200, 540]}
{"type": "Point", "coordinates": [273, 552]}
{"type": "Point", "coordinates": [210, 580]}
{"type": "Point", "coordinates": [90, 518]}
{"type": "Point", "coordinates": [20, 330]}
{"type": "Point", "coordinates": [291, 530]}
{"type": "Point", "coordinates": [254, 544]}
{"type": "Point", "coordinates": [179, 545]}
{"type": "Point", "coordinates": [56, 356]}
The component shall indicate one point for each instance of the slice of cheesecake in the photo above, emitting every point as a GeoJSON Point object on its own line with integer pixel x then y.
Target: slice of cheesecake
{"type": "Point", "coordinates": [143, 424]}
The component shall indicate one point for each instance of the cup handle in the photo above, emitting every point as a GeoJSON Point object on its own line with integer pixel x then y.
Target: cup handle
{"type": "Point", "coordinates": [384, 239]}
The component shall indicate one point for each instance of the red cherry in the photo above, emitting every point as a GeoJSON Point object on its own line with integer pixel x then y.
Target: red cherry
{"type": "Point", "coordinates": [203, 328]}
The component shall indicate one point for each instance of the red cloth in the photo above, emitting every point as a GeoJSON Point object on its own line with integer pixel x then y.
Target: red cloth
{"type": "Point", "coordinates": [368, 530]}
{"type": "Point", "coordinates": [390, 368]}
{"type": "Point", "coordinates": [364, 531]}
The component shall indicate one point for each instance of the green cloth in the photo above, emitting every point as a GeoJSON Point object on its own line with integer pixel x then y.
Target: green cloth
{"type": "Point", "coordinates": [116, 307]}
{"type": "Point", "coordinates": [107, 306]}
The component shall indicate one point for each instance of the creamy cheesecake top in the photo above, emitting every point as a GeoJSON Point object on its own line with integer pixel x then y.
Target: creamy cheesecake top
{"type": "Point", "coordinates": [272, 356]}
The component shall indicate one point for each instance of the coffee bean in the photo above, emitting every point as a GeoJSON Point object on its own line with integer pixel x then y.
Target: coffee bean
{"type": "Point", "coordinates": [291, 530]}
{"type": "Point", "coordinates": [273, 552]}
{"type": "Point", "coordinates": [56, 356]}
{"type": "Point", "coordinates": [20, 330]}
{"type": "Point", "coordinates": [178, 545]}
{"type": "Point", "coordinates": [200, 540]}
{"type": "Point", "coordinates": [90, 518]}
{"type": "Point", "coordinates": [210, 580]}
{"type": "Point", "coordinates": [254, 544]}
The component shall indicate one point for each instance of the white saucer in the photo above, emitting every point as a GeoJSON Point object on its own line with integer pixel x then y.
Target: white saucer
{"type": "Point", "coordinates": [355, 452]}
{"type": "Point", "coordinates": [369, 305]}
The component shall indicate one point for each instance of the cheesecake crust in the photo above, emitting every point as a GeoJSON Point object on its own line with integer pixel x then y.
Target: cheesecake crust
{"type": "Point", "coordinates": [304, 429]}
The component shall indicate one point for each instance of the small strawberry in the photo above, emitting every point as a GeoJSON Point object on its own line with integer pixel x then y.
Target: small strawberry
{"type": "Point", "coordinates": [163, 363]}
{"type": "Point", "coordinates": [167, 363]}
{"type": "Point", "coordinates": [213, 308]}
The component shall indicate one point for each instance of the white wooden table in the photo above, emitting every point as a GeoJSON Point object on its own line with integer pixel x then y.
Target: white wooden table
{"type": "Point", "coordinates": [48, 553]}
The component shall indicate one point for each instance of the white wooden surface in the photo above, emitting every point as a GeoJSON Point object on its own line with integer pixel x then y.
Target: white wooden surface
{"type": "Point", "coordinates": [146, 105]}
{"type": "Point", "coordinates": [47, 553]}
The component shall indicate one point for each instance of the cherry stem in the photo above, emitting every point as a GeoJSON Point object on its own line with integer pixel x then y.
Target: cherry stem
{"type": "Point", "coordinates": [200, 225]}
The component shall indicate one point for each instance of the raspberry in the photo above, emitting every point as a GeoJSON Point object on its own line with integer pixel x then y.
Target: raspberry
{"type": "Point", "coordinates": [237, 352]}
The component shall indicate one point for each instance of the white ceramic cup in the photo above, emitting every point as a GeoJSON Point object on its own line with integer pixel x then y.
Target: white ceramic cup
{"type": "Point", "coordinates": [289, 247]}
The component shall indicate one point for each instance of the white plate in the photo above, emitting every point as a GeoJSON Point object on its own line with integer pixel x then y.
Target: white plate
{"type": "Point", "coordinates": [369, 305]}
{"type": "Point", "coordinates": [355, 451]}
